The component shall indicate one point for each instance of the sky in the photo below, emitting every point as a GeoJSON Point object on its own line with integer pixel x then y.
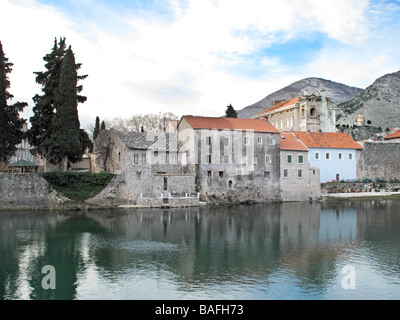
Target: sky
{"type": "Point", "coordinates": [198, 56]}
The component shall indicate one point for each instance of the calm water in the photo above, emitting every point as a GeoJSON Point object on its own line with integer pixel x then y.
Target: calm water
{"type": "Point", "coordinates": [289, 251]}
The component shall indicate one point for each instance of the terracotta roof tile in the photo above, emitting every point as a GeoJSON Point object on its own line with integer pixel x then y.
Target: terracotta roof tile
{"type": "Point", "coordinates": [283, 104]}
{"type": "Point", "coordinates": [334, 140]}
{"type": "Point", "coordinates": [289, 141]}
{"type": "Point", "coordinates": [257, 125]}
{"type": "Point", "coordinates": [394, 135]}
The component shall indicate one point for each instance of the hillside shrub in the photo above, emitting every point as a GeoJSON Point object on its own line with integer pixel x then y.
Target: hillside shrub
{"type": "Point", "coordinates": [78, 186]}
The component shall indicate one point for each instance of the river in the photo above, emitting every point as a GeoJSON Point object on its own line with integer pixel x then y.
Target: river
{"type": "Point", "coordinates": [321, 251]}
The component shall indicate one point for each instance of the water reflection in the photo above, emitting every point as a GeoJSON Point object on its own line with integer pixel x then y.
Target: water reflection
{"type": "Point", "coordinates": [279, 251]}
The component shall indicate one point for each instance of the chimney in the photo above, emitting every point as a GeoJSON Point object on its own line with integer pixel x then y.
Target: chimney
{"type": "Point", "coordinates": [308, 132]}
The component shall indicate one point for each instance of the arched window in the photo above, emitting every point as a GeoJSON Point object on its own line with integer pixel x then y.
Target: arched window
{"type": "Point", "coordinates": [313, 112]}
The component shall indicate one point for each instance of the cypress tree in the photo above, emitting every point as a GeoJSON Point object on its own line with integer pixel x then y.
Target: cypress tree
{"type": "Point", "coordinates": [69, 141]}
{"type": "Point", "coordinates": [96, 130]}
{"type": "Point", "coordinates": [10, 123]}
{"type": "Point", "coordinates": [40, 135]}
{"type": "Point", "coordinates": [103, 125]}
{"type": "Point", "coordinates": [230, 112]}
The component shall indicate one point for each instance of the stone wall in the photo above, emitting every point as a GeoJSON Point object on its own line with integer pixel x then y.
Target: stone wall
{"type": "Point", "coordinates": [355, 187]}
{"type": "Point", "coordinates": [24, 191]}
{"type": "Point", "coordinates": [238, 172]}
{"type": "Point", "coordinates": [379, 160]}
{"type": "Point", "coordinates": [173, 202]}
{"type": "Point", "coordinates": [297, 186]}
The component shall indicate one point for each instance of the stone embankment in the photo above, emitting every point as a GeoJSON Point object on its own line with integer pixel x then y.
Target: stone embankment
{"type": "Point", "coordinates": [359, 189]}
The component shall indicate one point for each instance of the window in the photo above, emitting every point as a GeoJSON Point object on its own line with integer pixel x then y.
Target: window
{"type": "Point", "coordinates": [119, 156]}
{"type": "Point", "coordinates": [221, 174]}
{"type": "Point", "coordinates": [226, 159]}
{"type": "Point", "coordinates": [287, 122]}
{"type": "Point", "coordinates": [272, 141]}
{"type": "Point", "coordinates": [209, 158]}
{"type": "Point", "coordinates": [244, 160]}
{"type": "Point", "coordinates": [291, 122]}
{"type": "Point", "coordinates": [246, 140]}
{"type": "Point", "coordinates": [281, 124]}
{"type": "Point", "coordinates": [313, 112]}
{"type": "Point", "coordinates": [301, 158]}
{"type": "Point", "coordinates": [174, 159]}
{"type": "Point", "coordinates": [255, 160]}
{"type": "Point", "coordinates": [316, 156]}
{"type": "Point", "coordinates": [138, 175]}
{"type": "Point", "coordinates": [285, 173]}
{"type": "Point", "coordinates": [143, 158]}
{"type": "Point", "coordinates": [259, 140]}
{"type": "Point", "coordinates": [267, 158]}
{"type": "Point", "coordinates": [208, 141]}
{"type": "Point", "coordinates": [136, 159]}
{"type": "Point", "coordinates": [266, 175]}
{"type": "Point", "coordinates": [350, 156]}
{"type": "Point", "coordinates": [327, 156]}
{"type": "Point", "coordinates": [209, 174]}
{"type": "Point", "coordinates": [300, 173]}
{"type": "Point", "coordinates": [340, 156]}
{"type": "Point", "coordinates": [163, 160]}
{"type": "Point", "coordinates": [289, 158]}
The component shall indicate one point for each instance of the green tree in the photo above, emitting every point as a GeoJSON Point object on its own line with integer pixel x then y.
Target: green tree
{"type": "Point", "coordinates": [40, 135]}
{"type": "Point", "coordinates": [11, 133]}
{"type": "Point", "coordinates": [96, 130]}
{"type": "Point", "coordinates": [230, 112]}
{"type": "Point", "coordinates": [103, 125]}
{"type": "Point", "coordinates": [69, 141]}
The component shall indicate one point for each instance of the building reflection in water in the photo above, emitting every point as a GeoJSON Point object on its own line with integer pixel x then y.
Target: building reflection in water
{"type": "Point", "coordinates": [194, 252]}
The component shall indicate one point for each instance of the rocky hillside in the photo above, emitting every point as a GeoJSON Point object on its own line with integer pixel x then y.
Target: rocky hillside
{"type": "Point", "coordinates": [379, 103]}
{"type": "Point", "coordinates": [337, 92]}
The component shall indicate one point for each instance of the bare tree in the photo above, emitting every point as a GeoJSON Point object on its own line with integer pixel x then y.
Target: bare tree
{"type": "Point", "coordinates": [103, 148]}
{"type": "Point", "coordinates": [139, 122]}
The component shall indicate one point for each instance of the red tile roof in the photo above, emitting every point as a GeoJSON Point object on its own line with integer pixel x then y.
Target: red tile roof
{"type": "Point", "coordinates": [289, 141]}
{"type": "Point", "coordinates": [329, 140]}
{"type": "Point", "coordinates": [394, 135]}
{"type": "Point", "coordinates": [281, 105]}
{"type": "Point", "coordinates": [257, 125]}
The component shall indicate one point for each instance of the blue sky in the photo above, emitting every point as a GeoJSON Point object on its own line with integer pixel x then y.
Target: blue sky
{"type": "Point", "coordinates": [198, 56]}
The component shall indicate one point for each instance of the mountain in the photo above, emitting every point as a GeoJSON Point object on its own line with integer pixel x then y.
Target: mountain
{"type": "Point", "coordinates": [337, 92]}
{"type": "Point", "coordinates": [379, 103]}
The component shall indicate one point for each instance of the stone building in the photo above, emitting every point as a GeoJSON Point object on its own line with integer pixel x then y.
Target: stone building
{"type": "Point", "coordinates": [147, 164]}
{"type": "Point", "coordinates": [299, 180]}
{"type": "Point", "coordinates": [235, 160]}
{"type": "Point", "coordinates": [334, 153]}
{"type": "Point", "coordinates": [311, 111]}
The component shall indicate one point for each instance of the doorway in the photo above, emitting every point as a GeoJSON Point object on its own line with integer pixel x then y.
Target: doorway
{"type": "Point", "coordinates": [165, 183]}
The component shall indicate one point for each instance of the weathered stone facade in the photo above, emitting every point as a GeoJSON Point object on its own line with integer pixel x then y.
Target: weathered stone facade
{"type": "Point", "coordinates": [24, 191]}
{"type": "Point", "coordinates": [311, 112]}
{"type": "Point", "coordinates": [299, 181]}
{"type": "Point", "coordinates": [379, 160]}
{"type": "Point", "coordinates": [150, 164]}
{"type": "Point", "coordinates": [231, 164]}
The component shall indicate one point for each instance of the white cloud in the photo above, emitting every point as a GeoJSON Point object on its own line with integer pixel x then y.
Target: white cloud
{"type": "Point", "coordinates": [183, 64]}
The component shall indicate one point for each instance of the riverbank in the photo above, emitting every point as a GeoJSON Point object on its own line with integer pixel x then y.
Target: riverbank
{"type": "Point", "coordinates": [361, 196]}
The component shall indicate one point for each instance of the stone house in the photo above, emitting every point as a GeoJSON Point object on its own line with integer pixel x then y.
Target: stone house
{"type": "Point", "coordinates": [334, 153]}
{"type": "Point", "coordinates": [147, 164]}
{"type": "Point", "coordinates": [234, 160]}
{"type": "Point", "coordinates": [311, 111]}
{"type": "Point", "coordinates": [299, 181]}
